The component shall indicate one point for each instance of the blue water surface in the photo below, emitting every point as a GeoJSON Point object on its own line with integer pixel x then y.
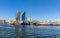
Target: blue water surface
{"type": "Point", "coordinates": [26, 31]}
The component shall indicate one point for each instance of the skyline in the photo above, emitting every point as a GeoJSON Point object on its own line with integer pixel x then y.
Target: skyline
{"type": "Point", "coordinates": [37, 9]}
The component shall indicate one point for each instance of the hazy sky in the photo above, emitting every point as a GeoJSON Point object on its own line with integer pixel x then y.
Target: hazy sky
{"type": "Point", "coordinates": [37, 9]}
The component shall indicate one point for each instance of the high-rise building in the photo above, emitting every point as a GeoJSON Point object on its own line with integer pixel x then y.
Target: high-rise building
{"type": "Point", "coordinates": [18, 16]}
{"type": "Point", "coordinates": [24, 17]}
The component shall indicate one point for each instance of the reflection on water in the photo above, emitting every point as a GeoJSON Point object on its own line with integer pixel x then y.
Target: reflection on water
{"type": "Point", "coordinates": [10, 31]}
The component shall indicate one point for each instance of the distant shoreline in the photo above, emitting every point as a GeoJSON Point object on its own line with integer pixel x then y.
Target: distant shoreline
{"type": "Point", "coordinates": [30, 25]}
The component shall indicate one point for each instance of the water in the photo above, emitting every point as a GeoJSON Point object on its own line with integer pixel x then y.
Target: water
{"type": "Point", "coordinates": [26, 31]}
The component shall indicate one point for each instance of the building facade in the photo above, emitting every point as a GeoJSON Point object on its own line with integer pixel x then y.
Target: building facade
{"type": "Point", "coordinates": [18, 16]}
{"type": "Point", "coordinates": [2, 21]}
{"type": "Point", "coordinates": [24, 17]}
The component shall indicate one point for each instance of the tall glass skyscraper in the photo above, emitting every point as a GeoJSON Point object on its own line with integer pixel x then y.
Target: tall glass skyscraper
{"type": "Point", "coordinates": [24, 17]}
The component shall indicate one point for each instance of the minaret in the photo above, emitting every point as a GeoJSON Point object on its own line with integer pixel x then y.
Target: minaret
{"type": "Point", "coordinates": [18, 16]}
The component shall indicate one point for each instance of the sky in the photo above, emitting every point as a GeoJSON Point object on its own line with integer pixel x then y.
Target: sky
{"type": "Point", "coordinates": [36, 9]}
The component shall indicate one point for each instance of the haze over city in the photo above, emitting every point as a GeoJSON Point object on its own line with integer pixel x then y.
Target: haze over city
{"type": "Point", "coordinates": [37, 9]}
